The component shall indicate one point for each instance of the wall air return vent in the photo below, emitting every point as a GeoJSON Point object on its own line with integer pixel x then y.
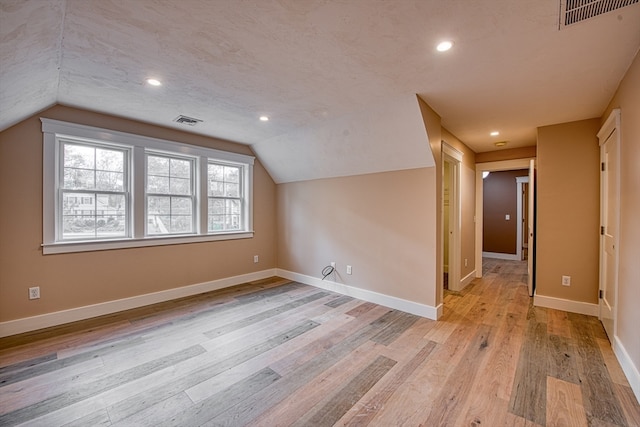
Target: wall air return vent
{"type": "Point", "coordinates": [187, 120]}
{"type": "Point", "coordinates": [574, 11]}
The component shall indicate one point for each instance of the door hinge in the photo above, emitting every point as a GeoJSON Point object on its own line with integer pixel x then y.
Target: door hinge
{"type": "Point", "coordinates": [602, 166]}
{"type": "Point", "coordinates": [602, 230]}
{"type": "Point", "coordinates": [600, 294]}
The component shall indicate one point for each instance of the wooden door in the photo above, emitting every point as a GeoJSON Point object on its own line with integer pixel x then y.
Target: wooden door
{"type": "Point", "coordinates": [609, 208]}
{"type": "Point", "coordinates": [530, 227]}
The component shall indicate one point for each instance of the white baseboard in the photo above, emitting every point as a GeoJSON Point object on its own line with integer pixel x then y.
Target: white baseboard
{"type": "Point", "coordinates": [497, 255]}
{"type": "Point", "coordinates": [566, 305]}
{"type": "Point", "coordinates": [629, 369]}
{"type": "Point", "coordinates": [33, 323]}
{"type": "Point", "coordinates": [467, 279]}
{"type": "Point", "coordinates": [418, 309]}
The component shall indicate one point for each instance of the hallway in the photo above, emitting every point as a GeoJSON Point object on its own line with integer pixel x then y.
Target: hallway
{"type": "Point", "coordinates": [560, 367]}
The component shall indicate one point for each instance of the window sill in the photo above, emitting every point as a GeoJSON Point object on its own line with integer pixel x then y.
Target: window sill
{"type": "Point", "coordinates": [105, 245]}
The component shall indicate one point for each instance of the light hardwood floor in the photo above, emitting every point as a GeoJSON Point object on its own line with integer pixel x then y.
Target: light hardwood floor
{"type": "Point", "coordinates": [277, 353]}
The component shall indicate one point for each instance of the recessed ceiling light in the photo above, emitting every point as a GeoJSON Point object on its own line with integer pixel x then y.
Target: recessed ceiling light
{"type": "Point", "coordinates": [264, 118]}
{"type": "Point", "coordinates": [444, 46]}
{"type": "Point", "coordinates": [154, 82]}
{"type": "Point", "coordinates": [494, 133]}
{"type": "Point", "coordinates": [500, 143]}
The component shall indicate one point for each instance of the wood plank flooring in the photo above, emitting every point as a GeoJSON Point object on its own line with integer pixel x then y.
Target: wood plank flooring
{"type": "Point", "coordinates": [279, 353]}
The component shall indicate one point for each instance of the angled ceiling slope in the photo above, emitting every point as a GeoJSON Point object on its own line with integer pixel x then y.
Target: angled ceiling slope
{"type": "Point", "coordinates": [318, 68]}
{"type": "Point", "coordinates": [382, 138]}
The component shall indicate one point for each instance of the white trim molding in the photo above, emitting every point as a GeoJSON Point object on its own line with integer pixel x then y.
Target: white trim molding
{"type": "Point", "coordinates": [566, 305]}
{"type": "Point", "coordinates": [497, 255]}
{"type": "Point", "coordinates": [47, 320]}
{"type": "Point", "coordinates": [467, 279]}
{"type": "Point", "coordinates": [629, 369]}
{"type": "Point", "coordinates": [411, 307]}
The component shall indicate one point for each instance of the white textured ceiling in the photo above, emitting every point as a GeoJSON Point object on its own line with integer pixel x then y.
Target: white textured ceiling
{"type": "Point", "coordinates": [334, 76]}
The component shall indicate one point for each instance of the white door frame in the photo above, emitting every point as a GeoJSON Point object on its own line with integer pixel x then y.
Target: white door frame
{"type": "Point", "coordinates": [454, 158]}
{"type": "Point", "coordinates": [519, 214]}
{"type": "Point", "coordinates": [607, 305]}
{"type": "Point", "coordinates": [503, 165]}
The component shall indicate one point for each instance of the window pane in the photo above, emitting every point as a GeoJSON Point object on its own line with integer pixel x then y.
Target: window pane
{"type": "Point", "coordinates": [181, 206]}
{"type": "Point", "coordinates": [110, 215]}
{"type": "Point", "coordinates": [216, 172]}
{"type": "Point", "coordinates": [109, 160]}
{"type": "Point", "coordinates": [78, 179]}
{"type": "Point", "coordinates": [216, 188]}
{"type": "Point", "coordinates": [180, 186]}
{"type": "Point", "coordinates": [167, 175]}
{"type": "Point", "coordinates": [86, 215]}
{"type": "Point", "coordinates": [180, 168]}
{"type": "Point", "coordinates": [232, 190]}
{"type": "Point", "coordinates": [224, 215]}
{"type": "Point", "coordinates": [233, 207]}
{"type": "Point", "coordinates": [216, 222]}
{"type": "Point", "coordinates": [158, 205]}
{"type": "Point", "coordinates": [216, 206]}
{"type": "Point", "coordinates": [109, 181]}
{"type": "Point", "coordinates": [181, 224]}
{"type": "Point", "coordinates": [79, 156]}
{"type": "Point", "coordinates": [157, 166]}
{"type": "Point", "coordinates": [231, 174]}
{"type": "Point", "coordinates": [158, 184]}
{"type": "Point", "coordinates": [166, 214]}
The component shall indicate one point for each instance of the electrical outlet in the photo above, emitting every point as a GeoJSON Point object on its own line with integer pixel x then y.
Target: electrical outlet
{"type": "Point", "coordinates": [256, 259]}
{"type": "Point", "coordinates": [566, 280]}
{"type": "Point", "coordinates": [466, 262]}
{"type": "Point", "coordinates": [333, 264]}
{"type": "Point", "coordinates": [348, 269]}
{"type": "Point", "coordinates": [34, 293]}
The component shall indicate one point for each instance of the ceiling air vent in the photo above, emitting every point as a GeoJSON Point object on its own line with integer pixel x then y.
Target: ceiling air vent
{"type": "Point", "coordinates": [187, 120]}
{"type": "Point", "coordinates": [574, 11]}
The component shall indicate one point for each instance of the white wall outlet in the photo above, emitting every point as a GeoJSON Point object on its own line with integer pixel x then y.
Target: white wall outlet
{"type": "Point", "coordinates": [333, 264]}
{"type": "Point", "coordinates": [34, 293]}
{"type": "Point", "coordinates": [466, 262]}
{"type": "Point", "coordinates": [566, 280]}
{"type": "Point", "coordinates": [256, 259]}
{"type": "Point", "coordinates": [348, 269]}
{"type": "Point", "coordinates": [507, 217]}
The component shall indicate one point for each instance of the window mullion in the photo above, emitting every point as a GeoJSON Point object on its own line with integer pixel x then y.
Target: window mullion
{"type": "Point", "coordinates": [202, 193]}
{"type": "Point", "coordinates": [138, 203]}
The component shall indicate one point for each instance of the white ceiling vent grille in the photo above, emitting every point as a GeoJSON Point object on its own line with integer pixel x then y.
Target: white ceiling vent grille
{"type": "Point", "coordinates": [574, 11]}
{"type": "Point", "coordinates": [187, 120]}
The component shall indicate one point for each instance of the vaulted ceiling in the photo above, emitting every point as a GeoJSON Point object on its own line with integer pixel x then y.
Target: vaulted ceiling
{"type": "Point", "coordinates": [337, 78]}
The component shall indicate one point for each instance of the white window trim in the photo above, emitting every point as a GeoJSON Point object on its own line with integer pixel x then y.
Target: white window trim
{"type": "Point", "coordinates": [53, 129]}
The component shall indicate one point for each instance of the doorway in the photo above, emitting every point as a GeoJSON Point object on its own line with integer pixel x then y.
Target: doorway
{"type": "Point", "coordinates": [522, 235]}
{"type": "Point", "coordinates": [609, 137]}
{"type": "Point", "coordinates": [451, 217]}
{"type": "Point", "coordinates": [504, 166]}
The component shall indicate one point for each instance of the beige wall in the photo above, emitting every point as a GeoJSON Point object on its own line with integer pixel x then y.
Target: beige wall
{"type": "Point", "coordinates": [627, 98]}
{"type": "Point", "coordinates": [568, 212]}
{"type": "Point", "coordinates": [508, 154]}
{"type": "Point", "coordinates": [79, 279]}
{"type": "Point", "coordinates": [383, 225]}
